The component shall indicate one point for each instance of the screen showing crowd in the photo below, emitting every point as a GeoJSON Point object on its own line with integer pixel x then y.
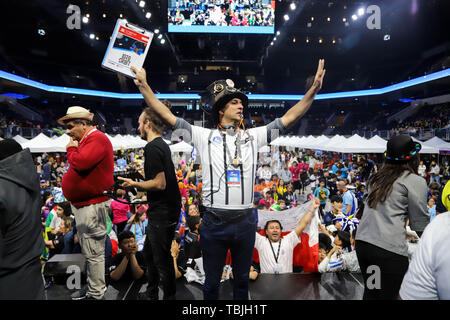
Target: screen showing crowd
{"type": "Point", "coordinates": [244, 13]}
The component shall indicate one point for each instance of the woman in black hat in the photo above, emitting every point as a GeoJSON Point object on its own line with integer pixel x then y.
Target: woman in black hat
{"type": "Point", "coordinates": [396, 193]}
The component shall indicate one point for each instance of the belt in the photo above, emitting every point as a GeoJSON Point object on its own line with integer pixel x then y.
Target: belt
{"type": "Point", "coordinates": [226, 215]}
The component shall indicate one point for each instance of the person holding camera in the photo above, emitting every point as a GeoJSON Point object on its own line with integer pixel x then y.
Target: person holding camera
{"type": "Point", "coordinates": [163, 213]}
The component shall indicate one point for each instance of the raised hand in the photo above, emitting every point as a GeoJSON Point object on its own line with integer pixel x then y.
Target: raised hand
{"type": "Point", "coordinates": [318, 79]}
{"type": "Point", "coordinates": [141, 77]}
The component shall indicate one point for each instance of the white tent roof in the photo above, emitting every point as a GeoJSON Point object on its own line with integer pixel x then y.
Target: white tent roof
{"type": "Point", "coordinates": [280, 141]}
{"type": "Point", "coordinates": [21, 140]}
{"type": "Point", "coordinates": [333, 141]}
{"type": "Point", "coordinates": [181, 147]}
{"type": "Point", "coordinates": [40, 143]}
{"type": "Point", "coordinates": [321, 140]}
{"type": "Point", "coordinates": [354, 144]}
{"type": "Point", "coordinates": [425, 148]}
{"type": "Point", "coordinates": [357, 144]}
{"type": "Point", "coordinates": [61, 142]}
{"type": "Point", "coordinates": [436, 142]}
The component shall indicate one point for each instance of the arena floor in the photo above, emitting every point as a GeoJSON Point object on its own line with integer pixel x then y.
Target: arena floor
{"type": "Point", "coordinates": [295, 286]}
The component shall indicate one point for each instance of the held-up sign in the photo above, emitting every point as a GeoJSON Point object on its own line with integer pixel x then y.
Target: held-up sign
{"type": "Point", "coordinates": [128, 47]}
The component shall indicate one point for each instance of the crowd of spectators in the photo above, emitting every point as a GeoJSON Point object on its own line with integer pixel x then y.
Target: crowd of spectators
{"type": "Point", "coordinates": [436, 118]}
{"type": "Point", "coordinates": [285, 180]}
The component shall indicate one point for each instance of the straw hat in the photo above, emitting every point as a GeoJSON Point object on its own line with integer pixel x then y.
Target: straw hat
{"type": "Point", "coordinates": [76, 112]}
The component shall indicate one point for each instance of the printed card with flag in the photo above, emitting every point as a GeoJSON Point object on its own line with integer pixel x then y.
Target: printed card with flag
{"type": "Point", "coordinates": [128, 47]}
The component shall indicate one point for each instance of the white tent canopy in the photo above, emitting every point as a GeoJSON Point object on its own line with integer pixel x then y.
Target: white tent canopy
{"type": "Point", "coordinates": [61, 143]}
{"type": "Point", "coordinates": [181, 147]}
{"type": "Point", "coordinates": [21, 140]}
{"type": "Point", "coordinates": [40, 143]}
{"type": "Point", "coordinates": [353, 144]}
{"type": "Point", "coordinates": [357, 144]}
{"type": "Point", "coordinates": [436, 142]}
{"type": "Point", "coordinates": [425, 148]}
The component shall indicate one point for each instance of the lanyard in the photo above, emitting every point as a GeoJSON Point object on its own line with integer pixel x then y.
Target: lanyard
{"type": "Point", "coordinates": [273, 251]}
{"type": "Point", "coordinates": [87, 134]}
{"type": "Point", "coordinates": [237, 152]}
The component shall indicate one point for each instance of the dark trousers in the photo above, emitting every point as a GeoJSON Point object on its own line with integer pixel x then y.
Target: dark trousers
{"type": "Point", "coordinates": [392, 268]}
{"type": "Point", "coordinates": [159, 259]}
{"type": "Point", "coordinates": [217, 236]}
{"type": "Point", "coordinates": [121, 226]}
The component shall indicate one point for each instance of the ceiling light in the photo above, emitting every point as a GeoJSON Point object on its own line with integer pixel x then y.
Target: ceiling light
{"type": "Point", "coordinates": [278, 33]}
{"type": "Point", "coordinates": [320, 40]}
{"type": "Point", "coordinates": [163, 41]}
{"type": "Point", "coordinates": [286, 17]}
{"type": "Point", "coordinates": [354, 17]}
{"type": "Point", "coordinates": [344, 19]}
{"type": "Point", "coordinates": [386, 37]}
{"type": "Point", "coordinates": [293, 40]}
{"type": "Point", "coordinates": [92, 36]}
{"type": "Point", "coordinates": [41, 32]}
{"type": "Point", "coordinates": [312, 18]}
{"type": "Point", "coordinates": [142, 4]}
{"type": "Point", "coordinates": [88, 15]}
{"type": "Point", "coordinates": [121, 15]}
{"type": "Point", "coordinates": [160, 36]}
{"type": "Point", "coordinates": [334, 41]}
{"type": "Point", "coordinates": [328, 19]}
{"type": "Point", "coordinates": [275, 39]}
{"type": "Point", "coordinates": [148, 15]}
{"type": "Point", "coordinates": [156, 31]}
{"type": "Point", "coordinates": [85, 19]}
{"type": "Point", "coordinates": [96, 38]}
{"type": "Point", "coordinates": [360, 11]}
{"type": "Point", "coordinates": [271, 43]}
{"type": "Point", "coordinates": [293, 6]}
{"type": "Point", "coordinates": [104, 15]}
{"type": "Point", "coordinates": [307, 40]}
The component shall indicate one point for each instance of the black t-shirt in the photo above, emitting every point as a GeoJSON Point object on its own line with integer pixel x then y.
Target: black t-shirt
{"type": "Point", "coordinates": [128, 274]}
{"type": "Point", "coordinates": [332, 187]}
{"type": "Point", "coordinates": [163, 205]}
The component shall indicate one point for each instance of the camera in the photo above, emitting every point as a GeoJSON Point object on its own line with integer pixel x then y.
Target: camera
{"type": "Point", "coordinates": [130, 174]}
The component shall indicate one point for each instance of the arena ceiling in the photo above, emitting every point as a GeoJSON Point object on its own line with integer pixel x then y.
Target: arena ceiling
{"type": "Point", "coordinates": [412, 40]}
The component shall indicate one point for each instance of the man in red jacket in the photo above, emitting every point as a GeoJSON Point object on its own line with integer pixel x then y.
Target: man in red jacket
{"type": "Point", "coordinates": [90, 173]}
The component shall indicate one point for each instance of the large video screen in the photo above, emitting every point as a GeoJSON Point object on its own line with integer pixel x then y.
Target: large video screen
{"type": "Point", "coordinates": [221, 16]}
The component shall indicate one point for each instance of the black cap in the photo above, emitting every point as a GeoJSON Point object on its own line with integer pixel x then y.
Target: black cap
{"type": "Point", "coordinates": [401, 149]}
{"type": "Point", "coordinates": [218, 94]}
